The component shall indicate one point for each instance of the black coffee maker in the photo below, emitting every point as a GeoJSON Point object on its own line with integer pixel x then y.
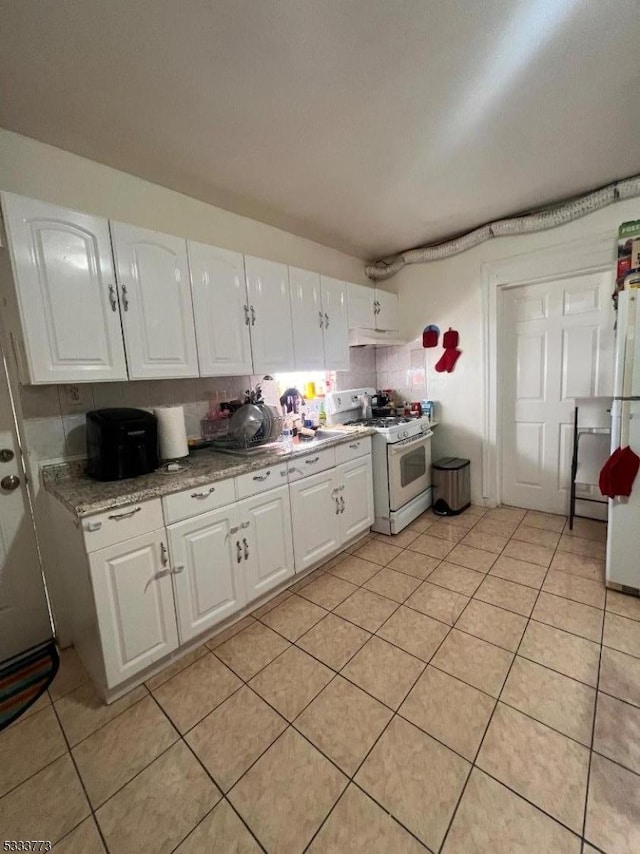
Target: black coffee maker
{"type": "Point", "coordinates": [121, 443]}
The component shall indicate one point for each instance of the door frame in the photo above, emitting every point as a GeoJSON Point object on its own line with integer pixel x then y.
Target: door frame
{"type": "Point", "coordinates": [595, 254]}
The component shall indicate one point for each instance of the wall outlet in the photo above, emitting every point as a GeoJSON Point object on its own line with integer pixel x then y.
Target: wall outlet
{"type": "Point", "coordinates": [75, 398]}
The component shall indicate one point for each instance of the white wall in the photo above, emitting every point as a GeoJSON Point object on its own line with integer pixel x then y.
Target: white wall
{"type": "Point", "coordinates": [450, 293]}
{"type": "Point", "coordinates": [41, 171]}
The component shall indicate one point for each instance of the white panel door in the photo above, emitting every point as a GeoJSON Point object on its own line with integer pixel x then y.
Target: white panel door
{"type": "Point", "coordinates": [66, 289]}
{"type": "Point", "coordinates": [207, 570]}
{"type": "Point", "coordinates": [356, 497]}
{"type": "Point", "coordinates": [155, 300]}
{"type": "Point", "coordinates": [24, 618]}
{"type": "Point", "coordinates": [557, 345]}
{"type": "Point", "coordinates": [361, 306]}
{"type": "Point", "coordinates": [314, 513]}
{"type": "Point", "coordinates": [387, 314]}
{"type": "Point", "coordinates": [134, 602]}
{"type": "Point", "coordinates": [336, 324]}
{"type": "Point", "coordinates": [267, 541]}
{"type": "Point", "coordinates": [270, 308]}
{"type": "Point", "coordinates": [308, 320]}
{"type": "Point", "coordinates": [221, 311]}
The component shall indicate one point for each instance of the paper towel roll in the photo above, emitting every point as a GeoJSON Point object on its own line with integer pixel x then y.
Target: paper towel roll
{"type": "Point", "coordinates": [172, 432]}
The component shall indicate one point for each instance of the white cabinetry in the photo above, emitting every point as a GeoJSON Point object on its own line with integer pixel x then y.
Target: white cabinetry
{"type": "Point", "coordinates": [320, 322]}
{"type": "Point", "coordinates": [270, 315]}
{"type": "Point", "coordinates": [206, 569]}
{"type": "Point", "coordinates": [331, 508]}
{"type": "Point", "coordinates": [265, 528]}
{"type": "Point", "coordinates": [336, 324]}
{"type": "Point", "coordinates": [66, 293]}
{"type": "Point", "coordinates": [314, 513]}
{"type": "Point", "coordinates": [356, 497]}
{"type": "Point", "coordinates": [155, 300]}
{"type": "Point", "coordinates": [134, 603]}
{"type": "Point", "coordinates": [221, 310]}
{"type": "Point", "coordinates": [372, 308]}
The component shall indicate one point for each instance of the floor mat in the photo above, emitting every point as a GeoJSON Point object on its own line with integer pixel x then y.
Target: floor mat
{"type": "Point", "coordinates": [24, 678]}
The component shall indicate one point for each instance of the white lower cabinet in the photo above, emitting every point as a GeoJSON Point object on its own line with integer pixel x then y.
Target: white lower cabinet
{"type": "Point", "coordinates": [329, 509]}
{"type": "Point", "coordinates": [206, 570]}
{"type": "Point", "coordinates": [314, 514]}
{"type": "Point", "coordinates": [356, 497]}
{"type": "Point", "coordinates": [134, 604]}
{"type": "Point", "coordinates": [265, 526]}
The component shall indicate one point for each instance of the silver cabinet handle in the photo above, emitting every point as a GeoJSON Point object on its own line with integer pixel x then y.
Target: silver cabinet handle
{"type": "Point", "coordinates": [253, 315]}
{"type": "Point", "coordinates": [312, 460]}
{"type": "Point", "coordinates": [337, 500]}
{"type": "Point", "coordinates": [342, 505]}
{"type": "Point", "coordinates": [262, 476]}
{"type": "Point", "coordinates": [177, 569]}
{"type": "Point", "coordinates": [93, 526]}
{"type": "Point", "coordinates": [246, 315]}
{"type": "Point", "coordinates": [320, 319]}
{"type": "Point", "coordinates": [355, 445]}
{"type": "Point", "coordinates": [119, 516]}
{"type": "Point", "coordinates": [113, 299]}
{"type": "Point", "coordinates": [164, 554]}
{"type": "Point", "coordinates": [238, 552]}
{"type": "Point", "coordinates": [246, 548]}
{"type": "Point", "coordinates": [245, 525]}
{"type": "Point", "coordinates": [326, 320]}
{"type": "Point", "coordinates": [205, 494]}
{"type": "Point", "coordinates": [125, 298]}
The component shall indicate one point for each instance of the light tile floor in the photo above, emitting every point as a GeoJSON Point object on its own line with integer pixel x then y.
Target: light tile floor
{"type": "Point", "coordinates": [466, 686]}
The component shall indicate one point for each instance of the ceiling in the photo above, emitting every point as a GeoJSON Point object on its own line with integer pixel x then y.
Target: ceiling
{"type": "Point", "coordinates": [368, 125]}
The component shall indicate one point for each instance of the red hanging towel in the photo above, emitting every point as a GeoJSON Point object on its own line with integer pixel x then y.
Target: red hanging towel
{"type": "Point", "coordinates": [623, 471]}
{"type": "Point", "coordinates": [604, 481]}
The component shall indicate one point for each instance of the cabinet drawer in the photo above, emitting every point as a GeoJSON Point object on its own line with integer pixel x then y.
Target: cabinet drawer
{"type": "Point", "coordinates": [121, 523]}
{"type": "Point", "coordinates": [353, 449]}
{"type": "Point", "coordinates": [311, 464]}
{"type": "Point", "coordinates": [197, 500]}
{"type": "Point", "coordinates": [255, 482]}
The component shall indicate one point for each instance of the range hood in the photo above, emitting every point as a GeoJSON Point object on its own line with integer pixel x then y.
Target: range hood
{"type": "Point", "coordinates": [376, 337]}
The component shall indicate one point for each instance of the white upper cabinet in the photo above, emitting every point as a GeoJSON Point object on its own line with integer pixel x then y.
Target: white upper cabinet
{"type": "Point", "coordinates": [336, 324]}
{"type": "Point", "coordinates": [155, 300]}
{"type": "Point", "coordinates": [66, 292]}
{"type": "Point", "coordinates": [361, 307]}
{"type": "Point", "coordinates": [221, 310]}
{"type": "Point", "coordinates": [371, 308]}
{"type": "Point", "coordinates": [270, 315]}
{"type": "Point", "coordinates": [307, 319]}
{"type": "Point", "coordinates": [387, 310]}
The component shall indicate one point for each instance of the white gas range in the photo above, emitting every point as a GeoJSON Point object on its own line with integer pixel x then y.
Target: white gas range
{"type": "Point", "coordinates": [401, 459]}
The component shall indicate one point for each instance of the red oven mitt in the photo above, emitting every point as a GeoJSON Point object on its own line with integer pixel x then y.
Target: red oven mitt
{"type": "Point", "coordinates": [451, 353]}
{"type": "Point", "coordinates": [623, 472]}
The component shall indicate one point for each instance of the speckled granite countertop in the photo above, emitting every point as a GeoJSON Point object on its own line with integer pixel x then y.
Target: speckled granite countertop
{"type": "Point", "coordinates": [84, 496]}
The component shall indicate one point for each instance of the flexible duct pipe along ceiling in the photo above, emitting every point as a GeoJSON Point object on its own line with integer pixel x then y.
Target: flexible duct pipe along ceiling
{"type": "Point", "coordinates": [526, 224]}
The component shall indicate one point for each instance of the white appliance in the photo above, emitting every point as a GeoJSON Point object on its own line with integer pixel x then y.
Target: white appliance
{"type": "Point", "coordinates": [401, 451]}
{"type": "Point", "coordinates": [623, 533]}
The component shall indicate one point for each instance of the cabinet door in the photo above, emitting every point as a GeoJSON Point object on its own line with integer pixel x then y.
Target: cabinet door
{"type": "Point", "coordinates": [206, 558]}
{"type": "Point", "coordinates": [271, 331]}
{"type": "Point", "coordinates": [314, 514]}
{"type": "Point", "coordinates": [356, 497]}
{"type": "Point", "coordinates": [155, 300]}
{"type": "Point", "coordinates": [336, 324]}
{"type": "Point", "coordinates": [308, 320]}
{"type": "Point", "coordinates": [221, 310]}
{"type": "Point", "coordinates": [361, 314]}
{"type": "Point", "coordinates": [387, 316]}
{"type": "Point", "coordinates": [269, 543]}
{"type": "Point", "coordinates": [65, 283]}
{"type": "Point", "coordinates": [134, 603]}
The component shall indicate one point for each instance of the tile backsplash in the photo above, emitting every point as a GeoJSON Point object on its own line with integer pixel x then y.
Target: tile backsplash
{"type": "Point", "coordinates": [55, 415]}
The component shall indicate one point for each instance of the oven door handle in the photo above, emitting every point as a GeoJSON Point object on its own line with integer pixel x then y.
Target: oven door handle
{"type": "Point", "coordinates": [400, 447]}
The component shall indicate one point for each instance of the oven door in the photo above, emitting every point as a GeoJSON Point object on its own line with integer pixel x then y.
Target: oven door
{"type": "Point", "coordinates": [409, 464]}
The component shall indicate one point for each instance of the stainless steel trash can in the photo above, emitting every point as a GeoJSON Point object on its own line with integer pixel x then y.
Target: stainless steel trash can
{"type": "Point", "coordinates": [451, 485]}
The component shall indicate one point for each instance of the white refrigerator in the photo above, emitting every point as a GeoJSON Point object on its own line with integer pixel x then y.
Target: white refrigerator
{"type": "Point", "coordinates": [623, 535]}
